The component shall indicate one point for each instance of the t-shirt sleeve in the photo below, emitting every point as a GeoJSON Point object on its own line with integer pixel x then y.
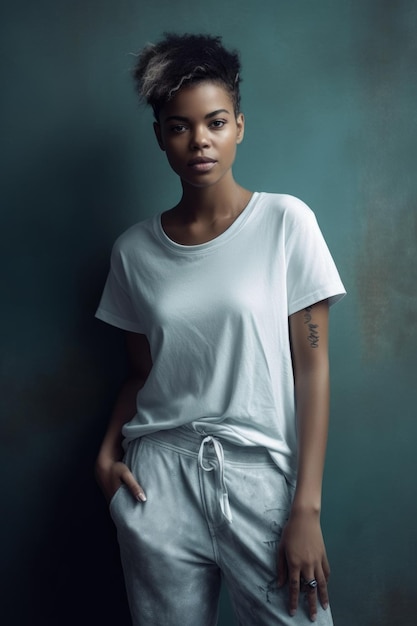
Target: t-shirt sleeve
{"type": "Point", "coordinates": [116, 305]}
{"type": "Point", "coordinates": [312, 275]}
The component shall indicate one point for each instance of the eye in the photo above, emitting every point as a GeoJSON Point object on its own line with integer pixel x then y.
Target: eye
{"type": "Point", "coordinates": [178, 128]}
{"type": "Point", "coordinates": [217, 124]}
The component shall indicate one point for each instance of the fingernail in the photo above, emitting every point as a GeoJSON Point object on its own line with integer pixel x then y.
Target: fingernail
{"type": "Point", "coordinates": [293, 612]}
{"type": "Point", "coordinates": [313, 618]}
{"type": "Point", "coordinates": [325, 605]}
{"type": "Point", "coordinates": [141, 497]}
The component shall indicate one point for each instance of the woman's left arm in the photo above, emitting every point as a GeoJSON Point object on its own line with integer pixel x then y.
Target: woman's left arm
{"type": "Point", "coordinates": [302, 554]}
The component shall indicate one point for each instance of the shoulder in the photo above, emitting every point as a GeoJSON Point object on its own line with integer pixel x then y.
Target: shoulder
{"type": "Point", "coordinates": [287, 208]}
{"type": "Point", "coordinates": [132, 238]}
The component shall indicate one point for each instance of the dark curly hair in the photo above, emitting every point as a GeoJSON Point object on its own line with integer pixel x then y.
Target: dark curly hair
{"type": "Point", "coordinates": [177, 60]}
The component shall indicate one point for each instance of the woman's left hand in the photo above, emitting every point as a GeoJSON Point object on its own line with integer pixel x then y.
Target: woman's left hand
{"type": "Point", "coordinates": [301, 559]}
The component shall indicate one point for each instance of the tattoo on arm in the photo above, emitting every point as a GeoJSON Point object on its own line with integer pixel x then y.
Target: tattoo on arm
{"type": "Point", "coordinates": [313, 336]}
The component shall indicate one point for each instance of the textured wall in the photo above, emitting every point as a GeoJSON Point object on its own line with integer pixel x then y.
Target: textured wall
{"type": "Point", "coordinates": [330, 99]}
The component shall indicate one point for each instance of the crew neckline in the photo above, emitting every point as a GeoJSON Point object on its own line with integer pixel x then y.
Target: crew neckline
{"type": "Point", "coordinates": [225, 236]}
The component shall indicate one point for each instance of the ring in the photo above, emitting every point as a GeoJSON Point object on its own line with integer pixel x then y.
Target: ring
{"type": "Point", "coordinates": [311, 583]}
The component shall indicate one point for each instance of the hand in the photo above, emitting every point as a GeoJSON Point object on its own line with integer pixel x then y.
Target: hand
{"type": "Point", "coordinates": [301, 558]}
{"type": "Point", "coordinates": [112, 475]}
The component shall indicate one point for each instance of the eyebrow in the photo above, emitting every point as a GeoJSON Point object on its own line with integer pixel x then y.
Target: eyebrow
{"type": "Point", "coordinates": [206, 117]}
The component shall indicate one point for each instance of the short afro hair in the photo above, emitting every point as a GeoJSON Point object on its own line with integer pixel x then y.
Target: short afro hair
{"type": "Point", "coordinates": [177, 60]}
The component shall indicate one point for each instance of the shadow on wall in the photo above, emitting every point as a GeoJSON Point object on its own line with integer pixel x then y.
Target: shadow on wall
{"type": "Point", "coordinates": [60, 560]}
{"type": "Point", "coordinates": [74, 574]}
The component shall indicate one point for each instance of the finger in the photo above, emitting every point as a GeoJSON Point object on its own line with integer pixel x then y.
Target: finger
{"type": "Point", "coordinates": [322, 584]}
{"type": "Point", "coordinates": [326, 568]}
{"type": "Point", "coordinates": [134, 487]}
{"type": "Point", "coordinates": [282, 567]}
{"type": "Point", "coordinates": [294, 590]}
{"type": "Point", "coordinates": [322, 591]}
{"type": "Point", "coordinates": [311, 593]}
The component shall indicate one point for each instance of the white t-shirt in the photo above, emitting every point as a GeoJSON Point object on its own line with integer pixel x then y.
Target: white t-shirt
{"type": "Point", "coordinates": [216, 317]}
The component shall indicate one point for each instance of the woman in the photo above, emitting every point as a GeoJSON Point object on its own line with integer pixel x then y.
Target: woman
{"type": "Point", "coordinates": [224, 299]}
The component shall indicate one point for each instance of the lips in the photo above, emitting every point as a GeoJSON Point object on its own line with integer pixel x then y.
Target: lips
{"type": "Point", "coordinates": [201, 164]}
{"type": "Point", "coordinates": [198, 160]}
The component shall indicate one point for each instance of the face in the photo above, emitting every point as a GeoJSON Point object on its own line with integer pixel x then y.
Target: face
{"type": "Point", "coordinates": [199, 132]}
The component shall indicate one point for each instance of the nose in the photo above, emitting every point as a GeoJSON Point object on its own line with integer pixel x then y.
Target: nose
{"type": "Point", "coordinates": [199, 138]}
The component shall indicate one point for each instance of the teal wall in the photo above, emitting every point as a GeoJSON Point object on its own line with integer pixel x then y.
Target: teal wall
{"type": "Point", "coordinates": [330, 96]}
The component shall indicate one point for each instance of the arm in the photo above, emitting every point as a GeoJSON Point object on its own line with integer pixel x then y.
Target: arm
{"type": "Point", "coordinates": [110, 471]}
{"type": "Point", "coordinates": [302, 553]}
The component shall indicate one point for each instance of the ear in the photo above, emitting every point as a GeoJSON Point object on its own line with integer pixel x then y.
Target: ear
{"type": "Point", "coordinates": [158, 134]}
{"type": "Point", "coordinates": [240, 123]}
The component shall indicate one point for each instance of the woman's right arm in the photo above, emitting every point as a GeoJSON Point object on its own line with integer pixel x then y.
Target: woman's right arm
{"type": "Point", "coordinates": [110, 471]}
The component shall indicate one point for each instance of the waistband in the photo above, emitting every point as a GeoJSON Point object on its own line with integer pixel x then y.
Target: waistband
{"type": "Point", "coordinates": [212, 453]}
{"type": "Point", "coordinates": [187, 441]}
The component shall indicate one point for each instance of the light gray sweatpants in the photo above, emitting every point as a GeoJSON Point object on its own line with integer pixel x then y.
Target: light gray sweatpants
{"type": "Point", "coordinates": [214, 510]}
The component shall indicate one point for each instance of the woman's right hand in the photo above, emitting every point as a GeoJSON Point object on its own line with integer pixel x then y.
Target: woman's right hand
{"type": "Point", "coordinates": [114, 474]}
{"type": "Point", "coordinates": [110, 471]}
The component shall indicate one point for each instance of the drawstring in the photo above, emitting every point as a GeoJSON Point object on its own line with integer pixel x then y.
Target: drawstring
{"type": "Point", "coordinates": [224, 497]}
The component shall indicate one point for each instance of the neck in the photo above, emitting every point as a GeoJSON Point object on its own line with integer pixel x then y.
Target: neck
{"type": "Point", "coordinates": [205, 213]}
{"type": "Point", "coordinates": [210, 203]}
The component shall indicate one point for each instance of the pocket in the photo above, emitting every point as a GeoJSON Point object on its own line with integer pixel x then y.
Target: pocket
{"type": "Point", "coordinates": [115, 495]}
{"type": "Point", "coordinates": [290, 489]}
{"type": "Point", "coordinates": [131, 457]}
